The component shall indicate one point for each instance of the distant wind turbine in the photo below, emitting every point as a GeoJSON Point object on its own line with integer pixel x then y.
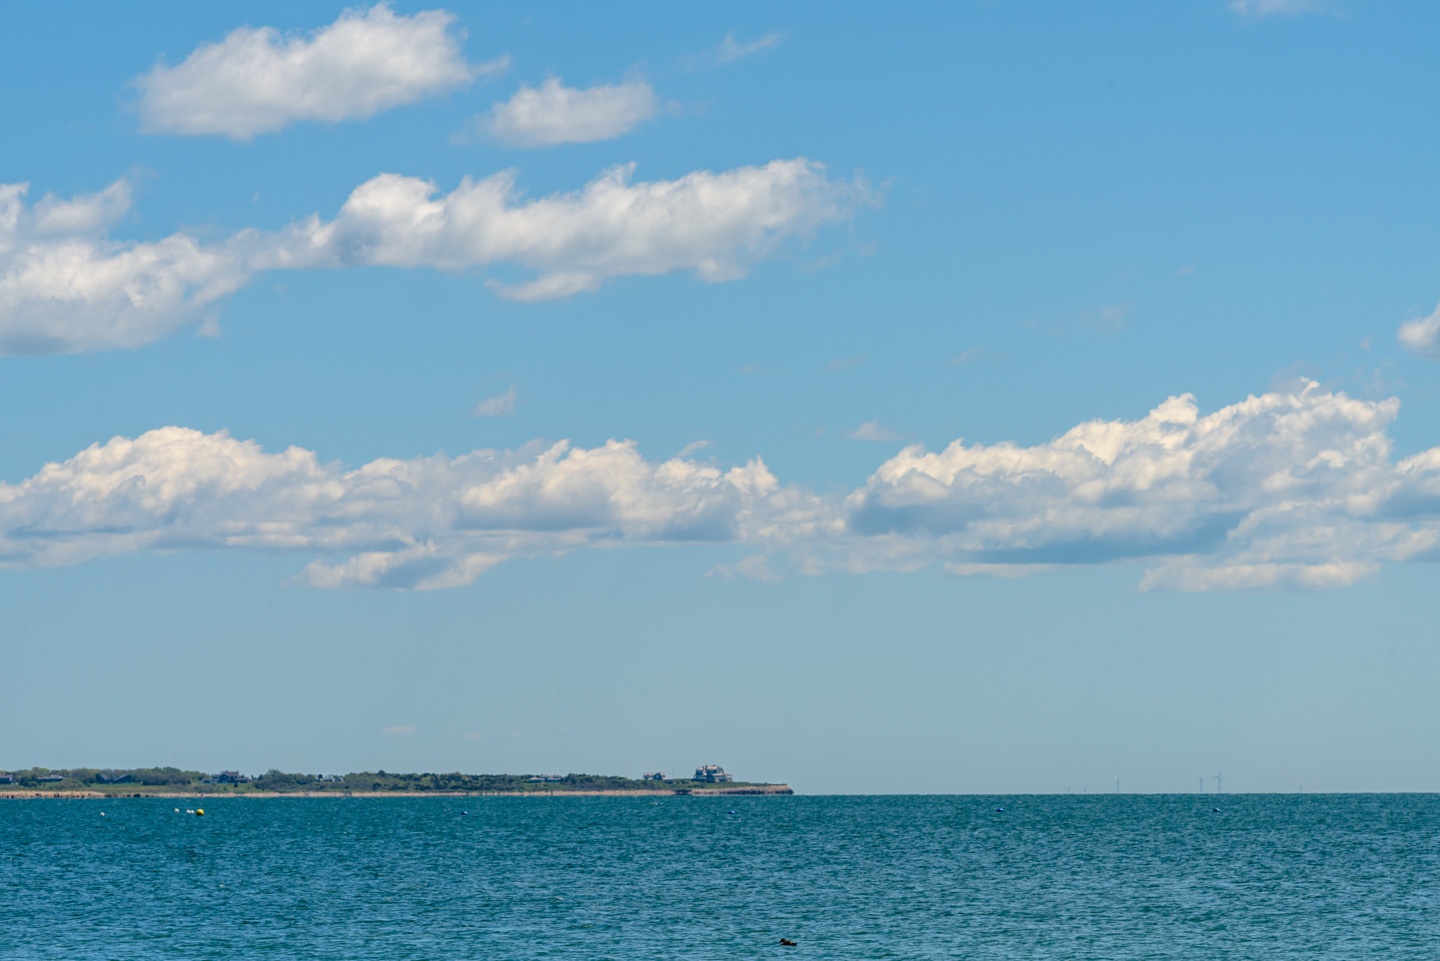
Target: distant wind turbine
{"type": "Point", "coordinates": [1219, 783]}
{"type": "Point", "coordinates": [1117, 785]}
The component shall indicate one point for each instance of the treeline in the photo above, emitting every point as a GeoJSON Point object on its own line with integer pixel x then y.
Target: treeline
{"type": "Point", "coordinates": [171, 778]}
{"type": "Point", "coordinates": [86, 776]}
{"type": "Point", "coordinates": [454, 781]}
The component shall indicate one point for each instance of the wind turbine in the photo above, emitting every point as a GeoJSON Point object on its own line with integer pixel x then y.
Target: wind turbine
{"type": "Point", "coordinates": [1117, 785]}
{"type": "Point", "coordinates": [1219, 784]}
{"type": "Point", "coordinates": [1202, 785]}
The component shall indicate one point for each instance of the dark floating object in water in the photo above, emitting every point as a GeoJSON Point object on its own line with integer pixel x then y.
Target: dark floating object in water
{"type": "Point", "coordinates": [1217, 810]}
{"type": "Point", "coordinates": [787, 942]}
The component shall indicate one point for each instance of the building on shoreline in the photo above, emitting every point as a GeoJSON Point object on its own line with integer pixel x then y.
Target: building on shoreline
{"type": "Point", "coordinates": [711, 772]}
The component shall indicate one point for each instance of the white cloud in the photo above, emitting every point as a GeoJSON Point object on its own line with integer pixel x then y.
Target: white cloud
{"type": "Point", "coordinates": [501, 405]}
{"type": "Point", "coordinates": [1271, 8]}
{"type": "Point", "coordinates": [66, 288]}
{"type": "Point", "coordinates": [1422, 335]}
{"type": "Point", "coordinates": [692, 447]}
{"type": "Point", "coordinates": [1007, 571]}
{"type": "Point", "coordinates": [423, 523]}
{"type": "Point", "coordinates": [1290, 489]}
{"type": "Point", "coordinates": [873, 431]}
{"type": "Point", "coordinates": [85, 214]}
{"type": "Point", "coordinates": [715, 224]}
{"type": "Point", "coordinates": [401, 729]}
{"type": "Point", "coordinates": [1295, 489]}
{"type": "Point", "coordinates": [556, 114]}
{"type": "Point", "coordinates": [257, 81]}
{"type": "Point", "coordinates": [730, 50]}
{"type": "Point", "coordinates": [756, 567]}
{"type": "Point", "coordinates": [1257, 577]}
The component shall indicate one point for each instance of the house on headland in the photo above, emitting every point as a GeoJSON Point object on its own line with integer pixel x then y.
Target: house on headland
{"type": "Point", "coordinates": [712, 773]}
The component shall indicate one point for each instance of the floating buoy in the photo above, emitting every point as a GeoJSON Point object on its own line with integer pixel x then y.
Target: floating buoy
{"type": "Point", "coordinates": [102, 814]}
{"type": "Point", "coordinates": [177, 810]}
{"type": "Point", "coordinates": [199, 812]}
{"type": "Point", "coordinates": [1217, 810]}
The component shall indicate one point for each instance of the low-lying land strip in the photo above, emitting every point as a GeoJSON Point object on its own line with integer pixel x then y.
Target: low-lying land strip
{"type": "Point", "coordinates": [173, 782]}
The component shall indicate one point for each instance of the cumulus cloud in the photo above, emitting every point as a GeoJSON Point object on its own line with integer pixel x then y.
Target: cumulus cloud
{"type": "Point", "coordinates": [258, 81]}
{"type": "Point", "coordinates": [714, 224]}
{"type": "Point", "coordinates": [83, 214]}
{"type": "Point", "coordinates": [873, 430]}
{"type": "Point", "coordinates": [65, 287]}
{"type": "Point", "coordinates": [756, 567]}
{"type": "Point", "coordinates": [1422, 335]}
{"type": "Point", "coordinates": [730, 50]}
{"type": "Point", "coordinates": [1294, 490]}
{"type": "Point", "coordinates": [422, 523]}
{"type": "Point", "coordinates": [1289, 489]}
{"type": "Point", "coordinates": [556, 114]}
{"type": "Point", "coordinates": [501, 405]}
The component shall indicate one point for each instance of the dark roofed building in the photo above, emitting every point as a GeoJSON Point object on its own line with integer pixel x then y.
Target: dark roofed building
{"type": "Point", "coordinates": [712, 773]}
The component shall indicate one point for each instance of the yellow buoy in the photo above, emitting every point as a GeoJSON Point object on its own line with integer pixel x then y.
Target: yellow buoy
{"type": "Point", "coordinates": [199, 811]}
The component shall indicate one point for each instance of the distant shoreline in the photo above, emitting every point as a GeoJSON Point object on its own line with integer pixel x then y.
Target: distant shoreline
{"type": "Point", "coordinates": [32, 795]}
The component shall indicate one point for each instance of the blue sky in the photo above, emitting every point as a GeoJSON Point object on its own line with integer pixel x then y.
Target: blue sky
{"type": "Point", "coordinates": [984, 397]}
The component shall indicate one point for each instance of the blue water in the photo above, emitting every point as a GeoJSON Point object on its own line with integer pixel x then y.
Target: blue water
{"type": "Point", "coordinates": [1105, 877]}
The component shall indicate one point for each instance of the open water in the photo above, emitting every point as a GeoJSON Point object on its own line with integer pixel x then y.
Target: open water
{"type": "Point", "coordinates": [1104, 877]}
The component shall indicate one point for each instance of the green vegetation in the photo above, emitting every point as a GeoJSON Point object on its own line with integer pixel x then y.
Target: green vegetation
{"type": "Point", "coordinates": [166, 780]}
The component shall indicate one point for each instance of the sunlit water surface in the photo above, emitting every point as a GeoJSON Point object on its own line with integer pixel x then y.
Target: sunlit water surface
{"type": "Point", "coordinates": [1104, 877]}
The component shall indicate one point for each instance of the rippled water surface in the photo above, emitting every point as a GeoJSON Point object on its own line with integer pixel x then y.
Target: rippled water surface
{"type": "Point", "coordinates": [847, 877]}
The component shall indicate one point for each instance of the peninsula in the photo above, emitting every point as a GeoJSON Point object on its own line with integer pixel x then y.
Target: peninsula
{"type": "Point", "coordinates": [174, 782]}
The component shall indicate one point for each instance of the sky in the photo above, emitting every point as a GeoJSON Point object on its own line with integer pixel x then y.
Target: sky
{"type": "Point", "coordinates": [972, 397]}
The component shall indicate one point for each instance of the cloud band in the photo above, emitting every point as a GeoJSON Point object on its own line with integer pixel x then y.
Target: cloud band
{"type": "Point", "coordinates": [1293, 489]}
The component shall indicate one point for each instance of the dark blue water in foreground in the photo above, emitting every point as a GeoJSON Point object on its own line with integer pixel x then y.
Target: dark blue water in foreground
{"type": "Point", "coordinates": [1111, 878]}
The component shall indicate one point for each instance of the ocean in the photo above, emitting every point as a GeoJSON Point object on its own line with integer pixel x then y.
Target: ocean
{"type": "Point", "coordinates": [1101, 876]}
